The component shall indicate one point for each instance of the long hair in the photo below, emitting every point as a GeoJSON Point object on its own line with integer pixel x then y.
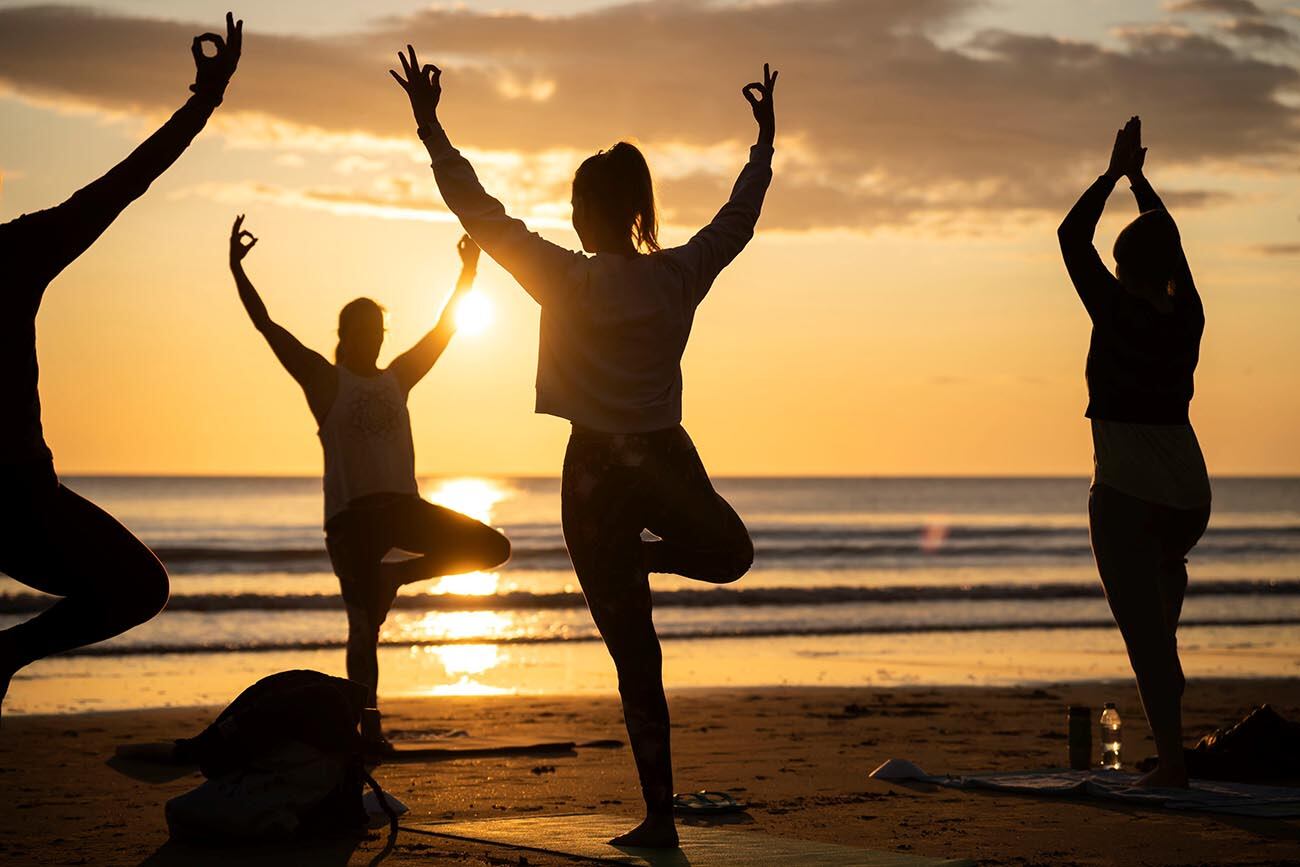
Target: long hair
{"type": "Point", "coordinates": [354, 313]}
{"type": "Point", "coordinates": [617, 183]}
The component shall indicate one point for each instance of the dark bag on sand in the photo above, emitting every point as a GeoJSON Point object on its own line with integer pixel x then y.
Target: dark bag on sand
{"type": "Point", "coordinates": [285, 758]}
{"type": "Point", "coordinates": [1260, 748]}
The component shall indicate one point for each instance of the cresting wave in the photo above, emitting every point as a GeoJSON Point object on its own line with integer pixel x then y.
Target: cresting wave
{"type": "Point", "coordinates": [682, 634]}
{"type": "Point", "coordinates": [838, 547]}
{"type": "Point", "coordinates": [702, 598]}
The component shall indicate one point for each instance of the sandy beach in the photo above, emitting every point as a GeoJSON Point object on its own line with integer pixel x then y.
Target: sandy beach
{"type": "Point", "coordinates": [799, 756]}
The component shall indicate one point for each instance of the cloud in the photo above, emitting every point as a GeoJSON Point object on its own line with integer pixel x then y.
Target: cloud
{"type": "Point", "coordinates": [1226, 7]}
{"type": "Point", "coordinates": [1277, 249]}
{"type": "Point", "coordinates": [1248, 28]}
{"type": "Point", "coordinates": [881, 123]}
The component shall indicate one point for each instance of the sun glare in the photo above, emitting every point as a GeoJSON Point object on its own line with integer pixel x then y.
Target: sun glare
{"type": "Point", "coordinates": [468, 495]}
{"type": "Point", "coordinates": [468, 584]}
{"type": "Point", "coordinates": [474, 314]}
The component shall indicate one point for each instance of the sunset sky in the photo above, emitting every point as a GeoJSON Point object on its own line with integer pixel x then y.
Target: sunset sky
{"type": "Point", "coordinates": [902, 309]}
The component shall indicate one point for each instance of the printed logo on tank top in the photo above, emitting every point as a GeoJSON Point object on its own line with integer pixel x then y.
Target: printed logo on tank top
{"type": "Point", "coordinates": [375, 411]}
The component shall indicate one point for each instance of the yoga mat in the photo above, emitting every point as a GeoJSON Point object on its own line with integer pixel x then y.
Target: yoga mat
{"type": "Point", "coordinates": [583, 835]}
{"type": "Point", "coordinates": [1207, 796]}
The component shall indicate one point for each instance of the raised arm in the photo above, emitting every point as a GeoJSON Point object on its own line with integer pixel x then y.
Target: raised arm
{"type": "Point", "coordinates": [540, 266]}
{"type": "Point", "coordinates": [1092, 279]}
{"type": "Point", "coordinates": [63, 233]}
{"type": "Point", "coordinates": [412, 365]}
{"type": "Point", "coordinates": [312, 372]}
{"type": "Point", "coordinates": [1148, 200]}
{"type": "Point", "coordinates": [712, 248]}
{"type": "Point", "coordinates": [1143, 193]}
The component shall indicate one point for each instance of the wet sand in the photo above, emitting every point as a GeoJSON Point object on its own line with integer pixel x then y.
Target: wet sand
{"type": "Point", "coordinates": [799, 756]}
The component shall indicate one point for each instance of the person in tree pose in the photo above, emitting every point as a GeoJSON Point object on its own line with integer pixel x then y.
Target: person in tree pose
{"type": "Point", "coordinates": [614, 325]}
{"type": "Point", "coordinates": [51, 539]}
{"type": "Point", "coordinates": [372, 499]}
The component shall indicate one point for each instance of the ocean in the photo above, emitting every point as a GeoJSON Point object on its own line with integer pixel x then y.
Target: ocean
{"type": "Point", "coordinates": [862, 580]}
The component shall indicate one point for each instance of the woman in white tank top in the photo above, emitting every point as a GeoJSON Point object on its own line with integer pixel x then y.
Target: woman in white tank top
{"type": "Point", "coordinates": [372, 501]}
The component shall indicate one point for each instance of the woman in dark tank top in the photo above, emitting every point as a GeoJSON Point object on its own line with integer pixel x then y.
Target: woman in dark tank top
{"type": "Point", "coordinates": [1150, 498]}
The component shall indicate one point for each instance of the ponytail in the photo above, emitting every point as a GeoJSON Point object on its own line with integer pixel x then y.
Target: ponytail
{"type": "Point", "coordinates": [617, 182]}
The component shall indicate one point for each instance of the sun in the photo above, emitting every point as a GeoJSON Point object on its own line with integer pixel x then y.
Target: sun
{"type": "Point", "coordinates": [473, 313]}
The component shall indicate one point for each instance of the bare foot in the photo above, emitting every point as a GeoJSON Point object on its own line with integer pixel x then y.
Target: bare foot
{"type": "Point", "coordinates": [8, 668]}
{"type": "Point", "coordinates": [1163, 777]}
{"type": "Point", "coordinates": [656, 832]}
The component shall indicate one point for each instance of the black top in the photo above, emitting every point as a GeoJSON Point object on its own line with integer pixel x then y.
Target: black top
{"type": "Point", "coordinates": [1141, 360]}
{"type": "Point", "coordinates": [34, 248]}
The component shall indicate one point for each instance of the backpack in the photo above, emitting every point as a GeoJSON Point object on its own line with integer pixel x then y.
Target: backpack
{"type": "Point", "coordinates": [283, 759]}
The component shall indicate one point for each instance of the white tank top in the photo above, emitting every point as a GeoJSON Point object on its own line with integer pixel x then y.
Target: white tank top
{"type": "Point", "coordinates": [366, 436]}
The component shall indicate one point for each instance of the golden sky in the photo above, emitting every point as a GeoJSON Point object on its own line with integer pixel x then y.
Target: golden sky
{"type": "Point", "coordinates": [902, 309]}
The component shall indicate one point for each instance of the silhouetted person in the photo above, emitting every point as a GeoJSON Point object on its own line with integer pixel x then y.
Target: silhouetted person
{"type": "Point", "coordinates": [613, 329]}
{"type": "Point", "coordinates": [51, 539]}
{"type": "Point", "coordinates": [1150, 497]}
{"type": "Point", "coordinates": [372, 500]}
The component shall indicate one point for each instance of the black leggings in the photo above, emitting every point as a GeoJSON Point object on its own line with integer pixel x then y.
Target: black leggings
{"type": "Point", "coordinates": [60, 543]}
{"type": "Point", "coordinates": [1141, 551]}
{"type": "Point", "coordinates": [615, 486]}
{"type": "Point", "coordinates": [358, 538]}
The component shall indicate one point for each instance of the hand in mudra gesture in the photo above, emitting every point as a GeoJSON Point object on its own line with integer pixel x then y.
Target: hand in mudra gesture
{"type": "Point", "coordinates": [759, 96]}
{"type": "Point", "coordinates": [423, 86]}
{"type": "Point", "coordinates": [212, 74]}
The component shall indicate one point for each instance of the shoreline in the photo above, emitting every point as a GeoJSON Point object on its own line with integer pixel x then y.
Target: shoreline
{"type": "Point", "coordinates": [1005, 660]}
{"type": "Point", "coordinates": [1012, 659]}
{"type": "Point", "coordinates": [799, 756]}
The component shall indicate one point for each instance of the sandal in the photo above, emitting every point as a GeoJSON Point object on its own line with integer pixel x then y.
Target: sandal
{"type": "Point", "coordinates": [705, 802]}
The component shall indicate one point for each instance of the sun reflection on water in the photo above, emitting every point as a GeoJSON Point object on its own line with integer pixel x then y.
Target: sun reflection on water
{"type": "Point", "coordinates": [463, 663]}
{"type": "Point", "coordinates": [437, 626]}
{"type": "Point", "coordinates": [469, 584]}
{"type": "Point", "coordinates": [478, 498]}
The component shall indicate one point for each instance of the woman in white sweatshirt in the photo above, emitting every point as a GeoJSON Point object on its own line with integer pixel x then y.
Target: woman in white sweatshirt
{"type": "Point", "coordinates": [614, 325]}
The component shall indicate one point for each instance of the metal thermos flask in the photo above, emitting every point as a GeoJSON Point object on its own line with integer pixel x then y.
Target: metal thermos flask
{"type": "Point", "coordinates": [1080, 737]}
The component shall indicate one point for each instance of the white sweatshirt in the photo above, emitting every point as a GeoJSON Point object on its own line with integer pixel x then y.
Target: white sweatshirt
{"type": "Point", "coordinates": [613, 328]}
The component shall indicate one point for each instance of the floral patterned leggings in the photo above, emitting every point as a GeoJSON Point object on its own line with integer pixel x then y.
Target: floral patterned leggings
{"type": "Point", "coordinates": [615, 486]}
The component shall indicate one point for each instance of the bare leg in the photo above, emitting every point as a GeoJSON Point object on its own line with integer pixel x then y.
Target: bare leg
{"type": "Point", "coordinates": [363, 651]}
{"type": "Point", "coordinates": [109, 580]}
{"type": "Point", "coordinates": [357, 542]}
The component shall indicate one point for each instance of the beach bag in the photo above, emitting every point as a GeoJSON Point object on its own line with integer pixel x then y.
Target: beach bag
{"type": "Point", "coordinates": [284, 759]}
{"type": "Point", "coordinates": [1262, 747]}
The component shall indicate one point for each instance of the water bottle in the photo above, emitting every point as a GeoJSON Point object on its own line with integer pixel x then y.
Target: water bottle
{"type": "Point", "coordinates": [1110, 739]}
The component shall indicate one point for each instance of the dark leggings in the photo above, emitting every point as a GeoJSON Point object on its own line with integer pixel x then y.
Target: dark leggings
{"type": "Point", "coordinates": [60, 543]}
{"type": "Point", "coordinates": [358, 538]}
{"type": "Point", "coordinates": [615, 486]}
{"type": "Point", "coordinates": [1141, 550]}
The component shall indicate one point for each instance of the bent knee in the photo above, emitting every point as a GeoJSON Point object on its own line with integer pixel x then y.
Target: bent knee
{"type": "Point", "coordinates": [498, 550]}
{"type": "Point", "coordinates": [146, 594]}
{"type": "Point", "coordinates": [737, 562]}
